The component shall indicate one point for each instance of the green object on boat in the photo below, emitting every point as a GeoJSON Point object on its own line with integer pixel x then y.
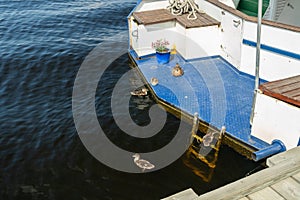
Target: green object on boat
{"type": "Point", "coordinates": [249, 7]}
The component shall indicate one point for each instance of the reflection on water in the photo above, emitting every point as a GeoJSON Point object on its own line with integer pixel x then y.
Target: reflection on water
{"type": "Point", "coordinates": [198, 165]}
{"type": "Point", "coordinates": [203, 153]}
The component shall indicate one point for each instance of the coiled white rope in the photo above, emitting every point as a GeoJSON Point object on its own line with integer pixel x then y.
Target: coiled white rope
{"type": "Point", "coordinates": [179, 7]}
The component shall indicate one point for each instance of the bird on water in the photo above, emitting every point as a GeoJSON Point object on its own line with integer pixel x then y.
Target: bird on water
{"type": "Point", "coordinates": [139, 92]}
{"type": "Point", "coordinates": [141, 163]}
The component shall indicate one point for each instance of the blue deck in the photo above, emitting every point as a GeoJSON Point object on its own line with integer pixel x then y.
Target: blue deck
{"type": "Point", "coordinates": [210, 86]}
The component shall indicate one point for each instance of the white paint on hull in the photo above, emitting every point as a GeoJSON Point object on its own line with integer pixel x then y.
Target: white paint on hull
{"type": "Point", "coordinates": [275, 119]}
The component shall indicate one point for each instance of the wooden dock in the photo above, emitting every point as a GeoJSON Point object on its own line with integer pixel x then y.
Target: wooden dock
{"type": "Point", "coordinates": [280, 181]}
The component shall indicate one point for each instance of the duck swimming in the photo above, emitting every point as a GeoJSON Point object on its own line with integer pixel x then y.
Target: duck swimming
{"type": "Point", "coordinates": [141, 163]}
{"type": "Point", "coordinates": [139, 92]}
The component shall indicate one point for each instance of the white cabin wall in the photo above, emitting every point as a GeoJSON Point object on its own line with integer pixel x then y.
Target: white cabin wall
{"type": "Point", "coordinates": [210, 9]}
{"type": "Point", "coordinates": [190, 43]}
{"type": "Point", "coordinates": [275, 119]}
{"type": "Point", "coordinates": [152, 5]}
{"type": "Point", "coordinates": [230, 35]}
{"type": "Point", "coordinates": [202, 42]}
{"type": "Point", "coordinates": [150, 33]}
{"type": "Point", "coordinates": [273, 66]}
{"type": "Point", "coordinates": [227, 41]}
{"type": "Point", "coordinates": [180, 39]}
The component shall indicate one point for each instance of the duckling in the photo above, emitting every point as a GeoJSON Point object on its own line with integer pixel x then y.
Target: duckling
{"type": "Point", "coordinates": [141, 163]}
{"type": "Point", "coordinates": [154, 81]}
{"type": "Point", "coordinates": [177, 70]}
{"type": "Point", "coordinates": [139, 92]}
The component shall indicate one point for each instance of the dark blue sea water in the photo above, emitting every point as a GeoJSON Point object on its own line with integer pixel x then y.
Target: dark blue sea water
{"type": "Point", "coordinates": [42, 46]}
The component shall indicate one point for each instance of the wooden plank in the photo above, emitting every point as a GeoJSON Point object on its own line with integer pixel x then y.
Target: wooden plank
{"type": "Point", "coordinates": [297, 177]}
{"type": "Point", "coordinates": [201, 21]}
{"type": "Point", "coordinates": [295, 93]}
{"type": "Point", "coordinates": [163, 15]}
{"type": "Point", "coordinates": [188, 194]}
{"type": "Point", "coordinates": [153, 16]}
{"type": "Point", "coordinates": [282, 82]}
{"type": "Point", "coordinates": [265, 194]}
{"type": "Point", "coordinates": [284, 157]}
{"type": "Point", "coordinates": [257, 181]}
{"type": "Point", "coordinates": [288, 188]}
{"type": "Point", "coordinates": [287, 90]}
{"type": "Point", "coordinates": [244, 198]}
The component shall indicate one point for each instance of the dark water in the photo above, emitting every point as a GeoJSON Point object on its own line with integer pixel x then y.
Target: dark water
{"type": "Point", "coordinates": [43, 44]}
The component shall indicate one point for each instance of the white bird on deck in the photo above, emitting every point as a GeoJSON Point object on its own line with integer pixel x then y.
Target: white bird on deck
{"type": "Point", "coordinates": [141, 163]}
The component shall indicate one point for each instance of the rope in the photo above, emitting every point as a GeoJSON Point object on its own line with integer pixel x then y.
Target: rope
{"type": "Point", "coordinates": [179, 7]}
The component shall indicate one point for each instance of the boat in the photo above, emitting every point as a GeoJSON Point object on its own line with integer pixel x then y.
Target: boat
{"type": "Point", "coordinates": [241, 69]}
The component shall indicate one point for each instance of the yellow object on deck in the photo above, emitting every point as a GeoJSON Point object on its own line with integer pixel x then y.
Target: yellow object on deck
{"type": "Point", "coordinates": [173, 50]}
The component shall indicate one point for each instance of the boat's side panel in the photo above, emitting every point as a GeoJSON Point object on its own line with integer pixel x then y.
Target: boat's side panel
{"type": "Point", "coordinates": [275, 119]}
{"type": "Point", "coordinates": [279, 53]}
{"type": "Point", "coordinates": [280, 58]}
{"type": "Point", "coordinates": [230, 32]}
{"type": "Point", "coordinates": [231, 38]}
{"type": "Point", "coordinates": [202, 42]}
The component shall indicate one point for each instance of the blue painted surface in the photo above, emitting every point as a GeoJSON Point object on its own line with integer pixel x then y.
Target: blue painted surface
{"type": "Point", "coordinates": [273, 49]}
{"type": "Point", "coordinates": [163, 58]}
{"type": "Point", "coordinates": [210, 86]}
{"type": "Point", "coordinates": [277, 146]}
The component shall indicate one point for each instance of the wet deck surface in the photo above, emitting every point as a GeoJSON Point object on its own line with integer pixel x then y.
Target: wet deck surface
{"type": "Point", "coordinates": [163, 15]}
{"type": "Point", "coordinates": [211, 87]}
{"type": "Point", "coordinates": [287, 90]}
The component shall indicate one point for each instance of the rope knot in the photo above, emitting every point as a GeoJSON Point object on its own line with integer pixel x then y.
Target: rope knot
{"type": "Point", "coordinates": [180, 7]}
